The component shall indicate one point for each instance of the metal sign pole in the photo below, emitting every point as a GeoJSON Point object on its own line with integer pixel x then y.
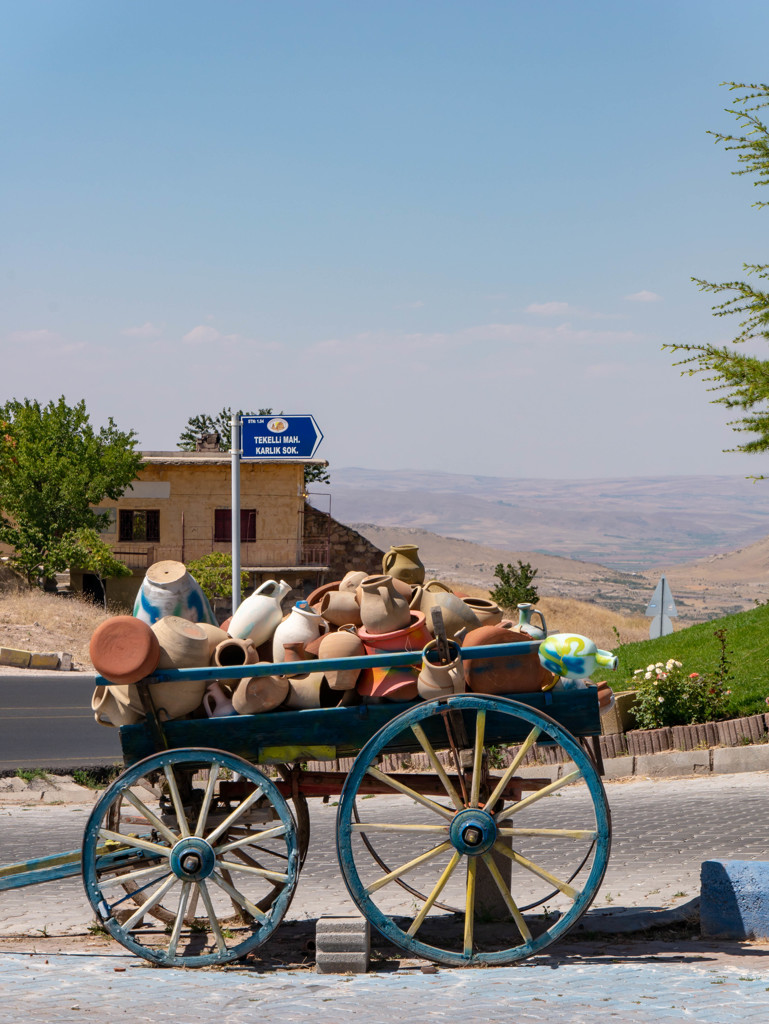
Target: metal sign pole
{"type": "Point", "coordinates": [235, 451]}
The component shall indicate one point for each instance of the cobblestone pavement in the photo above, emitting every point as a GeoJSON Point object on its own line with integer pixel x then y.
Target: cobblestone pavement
{"type": "Point", "coordinates": [662, 831]}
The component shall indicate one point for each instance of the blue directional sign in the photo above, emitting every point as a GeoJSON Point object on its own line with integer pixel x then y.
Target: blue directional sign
{"type": "Point", "coordinates": [279, 437]}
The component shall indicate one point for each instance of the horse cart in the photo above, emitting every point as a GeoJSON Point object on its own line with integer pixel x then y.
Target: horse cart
{"type": "Point", "coordinates": [449, 841]}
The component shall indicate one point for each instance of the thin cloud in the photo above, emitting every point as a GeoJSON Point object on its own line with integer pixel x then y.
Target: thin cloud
{"type": "Point", "coordinates": [39, 337]}
{"type": "Point", "coordinates": [549, 308]}
{"type": "Point", "coordinates": [203, 334]}
{"type": "Point", "coordinates": [147, 330]}
{"type": "Point", "coordinates": [643, 296]}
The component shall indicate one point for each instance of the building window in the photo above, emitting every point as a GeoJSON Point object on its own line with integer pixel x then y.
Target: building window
{"type": "Point", "coordinates": [140, 525]}
{"type": "Point", "coordinates": [223, 525]}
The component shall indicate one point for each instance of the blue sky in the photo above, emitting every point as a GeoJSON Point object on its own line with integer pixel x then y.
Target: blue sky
{"type": "Point", "coordinates": [458, 233]}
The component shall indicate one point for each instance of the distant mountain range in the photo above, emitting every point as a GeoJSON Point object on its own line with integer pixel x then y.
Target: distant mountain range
{"type": "Point", "coordinates": [627, 524]}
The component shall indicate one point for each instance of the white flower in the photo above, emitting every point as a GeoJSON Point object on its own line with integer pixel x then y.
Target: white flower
{"type": "Point", "coordinates": [649, 675]}
{"type": "Point", "coordinates": [660, 700]}
{"type": "Point", "coordinates": [638, 672]}
{"type": "Point", "coordinates": [650, 668]}
{"type": "Point", "coordinates": [659, 665]}
{"type": "Point", "coordinates": [670, 663]}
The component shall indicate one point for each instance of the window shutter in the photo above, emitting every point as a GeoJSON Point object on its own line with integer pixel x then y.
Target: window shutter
{"type": "Point", "coordinates": [153, 526]}
{"type": "Point", "coordinates": [126, 524]}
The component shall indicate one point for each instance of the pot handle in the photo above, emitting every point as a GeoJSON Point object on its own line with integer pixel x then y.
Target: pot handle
{"type": "Point", "coordinates": [388, 560]}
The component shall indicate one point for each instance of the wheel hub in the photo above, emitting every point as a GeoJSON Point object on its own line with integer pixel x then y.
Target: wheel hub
{"type": "Point", "coordinates": [473, 831]}
{"type": "Point", "coordinates": [192, 859]}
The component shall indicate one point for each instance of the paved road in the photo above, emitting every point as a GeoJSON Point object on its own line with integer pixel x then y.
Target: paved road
{"type": "Point", "coordinates": [46, 721]}
{"type": "Point", "coordinates": [662, 831]}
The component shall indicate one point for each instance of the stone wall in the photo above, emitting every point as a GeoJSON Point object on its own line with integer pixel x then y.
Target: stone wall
{"type": "Point", "coordinates": [348, 549]}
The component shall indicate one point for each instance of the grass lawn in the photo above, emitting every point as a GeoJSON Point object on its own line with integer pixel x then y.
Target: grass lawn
{"type": "Point", "coordinates": [747, 641]}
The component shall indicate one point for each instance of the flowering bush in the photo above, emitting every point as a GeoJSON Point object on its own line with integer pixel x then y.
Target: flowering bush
{"type": "Point", "coordinates": [668, 695]}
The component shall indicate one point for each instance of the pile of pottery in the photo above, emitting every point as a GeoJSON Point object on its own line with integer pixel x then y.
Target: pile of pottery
{"type": "Point", "coordinates": [173, 627]}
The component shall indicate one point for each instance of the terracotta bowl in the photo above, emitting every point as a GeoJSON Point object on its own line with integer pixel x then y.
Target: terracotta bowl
{"type": "Point", "coordinates": [124, 649]}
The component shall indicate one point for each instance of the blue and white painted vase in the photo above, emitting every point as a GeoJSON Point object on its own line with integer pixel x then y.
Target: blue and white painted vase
{"type": "Point", "coordinates": [573, 657]}
{"type": "Point", "coordinates": [168, 589]}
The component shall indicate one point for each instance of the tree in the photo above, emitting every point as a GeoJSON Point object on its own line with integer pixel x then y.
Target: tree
{"type": "Point", "coordinates": [87, 551]}
{"type": "Point", "coordinates": [516, 585]}
{"type": "Point", "coordinates": [53, 468]}
{"type": "Point", "coordinates": [214, 574]}
{"type": "Point", "coordinates": [221, 424]}
{"type": "Point", "coordinates": [741, 380]}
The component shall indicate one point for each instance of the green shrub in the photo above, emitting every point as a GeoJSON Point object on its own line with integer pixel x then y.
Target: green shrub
{"type": "Point", "coordinates": [515, 586]}
{"type": "Point", "coordinates": [214, 574]}
{"type": "Point", "coordinates": [668, 695]}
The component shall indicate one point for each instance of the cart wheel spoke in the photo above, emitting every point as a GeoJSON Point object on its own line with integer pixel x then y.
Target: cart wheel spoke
{"type": "Point", "coordinates": [549, 844]}
{"type": "Point", "coordinates": [517, 916]}
{"type": "Point", "coordinates": [237, 914]}
{"type": "Point", "coordinates": [438, 889]}
{"type": "Point", "coordinates": [401, 787]}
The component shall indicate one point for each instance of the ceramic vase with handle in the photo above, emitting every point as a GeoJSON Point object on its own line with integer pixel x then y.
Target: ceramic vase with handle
{"type": "Point", "coordinates": [345, 643]}
{"type": "Point", "coordinates": [256, 695]}
{"type": "Point", "coordinates": [168, 589]}
{"type": "Point", "coordinates": [382, 608]}
{"type": "Point", "coordinates": [574, 657]}
{"type": "Point", "coordinates": [108, 710]}
{"type": "Point", "coordinates": [302, 626]}
{"type": "Point", "coordinates": [525, 613]}
{"type": "Point", "coordinates": [456, 613]}
{"type": "Point", "coordinates": [340, 607]}
{"type": "Point", "coordinates": [403, 563]}
{"type": "Point", "coordinates": [216, 703]}
{"type": "Point", "coordinates": [436, 680]}
{"type": "Point", "coordinates": [258, 616]}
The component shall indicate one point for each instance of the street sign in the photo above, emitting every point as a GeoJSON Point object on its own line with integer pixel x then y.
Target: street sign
{"type": "Point", "coordinates": [661, 609]}
{"type": "Point", "coordinates": [279, 437]}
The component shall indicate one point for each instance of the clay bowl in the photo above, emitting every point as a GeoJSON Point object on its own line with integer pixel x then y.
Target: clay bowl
{"type": "Point", "coordinates": [320, 592]}
{"type": "Point", "coordinates": [124, 649]}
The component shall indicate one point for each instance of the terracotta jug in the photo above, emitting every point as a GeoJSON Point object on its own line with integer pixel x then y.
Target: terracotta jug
{"type": "Point", "coordinates": [345, 643]}
{"type": "Point", "coordinates": [183, 644]}
{"type": "Point", "coordinates": [340, 607]}
{"type": "Point", "coordinates": [310, 691]}
{"type": "Point", "coordinates": [402, 562]}
{"type": "Point", "coordinates": [256, 695]}
{"type": "Point", "coordinates": [260, 613]}
{"type": "Point", "coordinates": [215, 635]}
{"type": "Point", "coordinates": [525, 625]}
{"type": "Point", "coordinates": [168, 589]}
{"type": "Point", "coordinates": [382, 608]}
{"type": "Point", "coordinates": [456, 613]}
{"type": "Point", "coordinates": [436, 680]}
{"type": "Point", "coordinates": [488, 613]}
{"type": "Point", "coordinates": [518, 672]}
{"type": "Point", "coordinates": [231, 652]}
{"type": "Point", "coordinates": [107, 710]}
{"type": "Point", "coordinates": [398, 682]}
{"type": "Point", "coordinates": [216, 703]}
{"type": "Point", "coordinates": [352, 580]}
{"type": "Point", "coordinates": [302, 625]}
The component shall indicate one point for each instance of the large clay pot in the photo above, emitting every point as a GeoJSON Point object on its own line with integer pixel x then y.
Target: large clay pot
{"type": "Point", "coordinates": [525, 625]}
{"type": "Point", "coordinates": [382, 608]}
{"type": "Point", "coordinates": [309, 691]}
{"type": "Point", "coordinates": [345, 643]}
{"type": "Point", "coordinates": [302, 625]}
{"type": "Point", "coordinates": [379, 684]}
{"type": "Point", "coordinates": [183, 644]}
{"type": "Point", "coordinates": [402, 563]}
{"type": "Point", "coordinates": [319, 593]}
{"type": "Point", "coordinates": [436, 680]}
{"type": "Point", "coordinates": [168, 589]}
{"type": "Point", "coordinates": [456, 613]}
{"type": "Point", "coordinates": [352, 580]}
{"type": "Point", "coordinates": [517, 673]}
{"type": "Point", "coordinates": [259, 694]}
{"type": "Point", "coordinates": [488, 613]}
{"type": "Point", "coordinates": [340, 608]}
{"type": "Point", "coordinates": [260, 613]}
{"type": "Point", "coordinates": [108, 710]}
{"type": "Point", "coordinates": [398, 682]}
{"type": "Point", "coordinates": [124, 649]}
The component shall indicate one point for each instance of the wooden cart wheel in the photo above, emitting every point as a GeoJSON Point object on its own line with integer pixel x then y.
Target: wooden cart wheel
{"type": "Point", "coordinates": [207, 850]}
{"type": "Point", "coordinates": [482, 845]}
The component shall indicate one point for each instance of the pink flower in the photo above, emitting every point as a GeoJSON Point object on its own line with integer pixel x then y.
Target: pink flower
{"type": "Point", "coordinates": [696, 675]}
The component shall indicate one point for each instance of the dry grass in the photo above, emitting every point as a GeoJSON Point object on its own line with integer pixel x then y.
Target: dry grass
{"type": "Point", "coordinates": [33, 621]}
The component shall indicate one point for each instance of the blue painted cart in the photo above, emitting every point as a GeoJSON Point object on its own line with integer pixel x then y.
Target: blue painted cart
{"type": "Point", "coordinates": [446, 844]}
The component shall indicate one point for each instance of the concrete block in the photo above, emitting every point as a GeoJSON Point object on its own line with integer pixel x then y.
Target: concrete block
{"type": "Point", "coordinates": [18, 659]}
{"type": "Point", "coordinates": [728, 760]}
{"type": "Point", "coordinates": [342, 945]}
{"type": "Point", "coordinates": [618, 767]}
{"type": "Point", "coordinates": [65, 661]}
{"type": "Point", "coordinates": [734, 899]}
{"type": "Point", "coordinates": [44, 661]}
{"type": "Point", "coordinates": [683, 762]}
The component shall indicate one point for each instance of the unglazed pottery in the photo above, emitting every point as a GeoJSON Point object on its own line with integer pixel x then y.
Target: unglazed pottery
{"type": "Point", "coordinates": [302, 625]}
{"type": "Point", "coordinates": [456, 613]}
{"type": "Point", "coordinates": [108, 710]}
{"type": "Point", "coordinates": [183, 644]}
{"type": "Point", "coordinates": [260, 613]}
{"type": "Point", "coordinates": [168, 589]}
{"type": "Point", "coordinates": [518, 672]}
{"type": "Point", "coordinates": [340, 607]}
{"type": "Point", "coordinates": [398, 682]}
{"type": "Point", "coordinates": [215, 636]}
{"type": "Point", "coordinates": [319, 593]}
{"type": "Point", "coordinates": [124, 649]}
{"type": "Point", "coordinates": [378, 684]}
{"type": "Point", "coordinates": [402, 563]}
{"type": "Point", "coordinates": [573, 656]}
{"type": "Point", "coordinates": [259, 694]}
{"type": "Point", "coordinates": [436, 680]}
{"type": "Point", "coordinates": [352, 580]}
{"type": "Point", "coordinates": [310, 691]}
{"type": "Point", "coordinates": [525, 613]}
{"type": "Point", "coordinates": [382, 608]}
{"type": "Point", "coordinates": [488, 613]}
{"type": "Point", "coordinates": [345, 643]}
